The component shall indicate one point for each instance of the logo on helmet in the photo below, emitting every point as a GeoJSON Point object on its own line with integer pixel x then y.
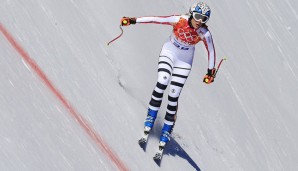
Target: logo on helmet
{"type": "Point", "coordinates": [201, 8]}
{"type": "Point", "coordinates": [205, 9]}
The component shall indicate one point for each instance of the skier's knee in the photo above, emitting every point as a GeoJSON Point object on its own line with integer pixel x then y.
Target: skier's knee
{"type": "Point", "coordinates": [174, 91]}
{"type": "Point", "coordinates": [164, 79]}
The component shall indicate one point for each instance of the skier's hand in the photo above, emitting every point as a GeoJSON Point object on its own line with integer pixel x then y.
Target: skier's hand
{"type": "Point", "coordinates": [126, 21]}
{"type": "Point", "coordinates": [209, 77]}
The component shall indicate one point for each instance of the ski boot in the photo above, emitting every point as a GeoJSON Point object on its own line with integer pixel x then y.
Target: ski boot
{"type": "Point", "coordinates": [150, 119]}
{"type": "Point", "coordinates": [148, 124]}
{"type": "Point", "coordinates": [165, 134]}
{"type": "Point", "coordinates": [164, 139]}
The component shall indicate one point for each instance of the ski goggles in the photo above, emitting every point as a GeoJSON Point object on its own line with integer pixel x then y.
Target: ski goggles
{"type": "Point", "coordinates": [200, 17]}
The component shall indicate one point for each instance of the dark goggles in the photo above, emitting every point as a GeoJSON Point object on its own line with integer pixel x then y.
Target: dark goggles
{"type": "Point", "coordinates": [200, 17]}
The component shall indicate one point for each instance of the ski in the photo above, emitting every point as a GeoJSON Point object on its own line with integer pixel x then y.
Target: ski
{"type": "Point", "coordinates": [143, 141]}
{"type": "Point", "coordinates": [158, 155]}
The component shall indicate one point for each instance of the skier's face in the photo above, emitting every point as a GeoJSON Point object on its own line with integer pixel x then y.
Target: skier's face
{"type": "Point", "coordinates": [196, 24]}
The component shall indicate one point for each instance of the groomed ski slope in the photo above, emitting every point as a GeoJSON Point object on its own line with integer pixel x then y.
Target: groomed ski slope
{"type": "Point", "coordinates": [246, 120]}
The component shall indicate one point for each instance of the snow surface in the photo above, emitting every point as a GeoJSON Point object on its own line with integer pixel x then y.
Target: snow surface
{"type": "Point", "coordinates": [246, 120]}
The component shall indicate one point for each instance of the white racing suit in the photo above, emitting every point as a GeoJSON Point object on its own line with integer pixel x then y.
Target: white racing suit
{"type": "Point", "coordinates": [175, 60]}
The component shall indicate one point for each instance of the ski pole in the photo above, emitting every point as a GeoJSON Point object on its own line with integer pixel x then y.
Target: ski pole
{"type": "Point", "coordinates": [117, 36]}
{"type": "Point", "coordinates": [225, 58]}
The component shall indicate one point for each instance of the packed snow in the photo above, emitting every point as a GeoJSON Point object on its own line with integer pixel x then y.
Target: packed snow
{"type": "Point", "coordinates": [246, 120]}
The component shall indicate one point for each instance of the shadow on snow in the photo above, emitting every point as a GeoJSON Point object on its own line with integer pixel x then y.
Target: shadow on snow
{"type": "Point", "coordinates": [174, 149]}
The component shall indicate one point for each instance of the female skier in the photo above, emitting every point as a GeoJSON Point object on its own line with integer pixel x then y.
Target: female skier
{"type": "Point", "coordinates": [175, 60]}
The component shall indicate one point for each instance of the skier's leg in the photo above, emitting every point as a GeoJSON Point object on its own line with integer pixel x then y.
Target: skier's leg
{"type": "Point", "coordinates": [179, 77]}
{"type": "Point", "coordinates": [165, 67]}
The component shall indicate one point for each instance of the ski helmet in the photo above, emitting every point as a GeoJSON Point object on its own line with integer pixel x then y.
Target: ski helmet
{"type": "Point", "coordinates": [200, 12]}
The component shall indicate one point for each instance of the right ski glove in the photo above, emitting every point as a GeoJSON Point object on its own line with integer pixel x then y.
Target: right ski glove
{"type": "Point", "coordinates": [126, 21]}
{"type": "Point", "coordinates": [209, 77]}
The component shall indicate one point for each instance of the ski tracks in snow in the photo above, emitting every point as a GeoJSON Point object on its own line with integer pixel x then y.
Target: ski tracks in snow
{"type": "Point", "coordinates": [102, 145]}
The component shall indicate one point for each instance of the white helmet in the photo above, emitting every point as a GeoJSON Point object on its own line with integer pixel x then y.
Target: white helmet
{"type": "Point", "coordinates": [200, 12]}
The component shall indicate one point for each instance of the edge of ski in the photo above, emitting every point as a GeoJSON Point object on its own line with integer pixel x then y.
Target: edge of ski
{"type": "Point", "coordinates": [144, 139]}
{"type": "Point", "coordinates": [159, 153]}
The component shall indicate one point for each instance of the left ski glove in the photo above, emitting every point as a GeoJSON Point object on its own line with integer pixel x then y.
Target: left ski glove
{"type": "Point", "coordinates": [126, 21]}
{"type": "Point", "coordinates": [209, 77]}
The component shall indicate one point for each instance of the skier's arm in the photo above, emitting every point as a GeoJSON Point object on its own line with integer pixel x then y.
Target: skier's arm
{"type": "Point", "coordinates": [208, 41]}
{"type": "Point", "coordinates": [168, 20]}
{"type": "Point", "coordinates": [209, 77]}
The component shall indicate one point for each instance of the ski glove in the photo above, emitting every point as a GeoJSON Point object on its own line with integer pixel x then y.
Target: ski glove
{"type": "Point", "coordinates": [126, 21]}
{"type": "Point", "coordinates": [209, 77]}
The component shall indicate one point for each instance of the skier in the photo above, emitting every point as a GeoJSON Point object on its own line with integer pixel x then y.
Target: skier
{"type": "Point", "coordinates": [175, 60]}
